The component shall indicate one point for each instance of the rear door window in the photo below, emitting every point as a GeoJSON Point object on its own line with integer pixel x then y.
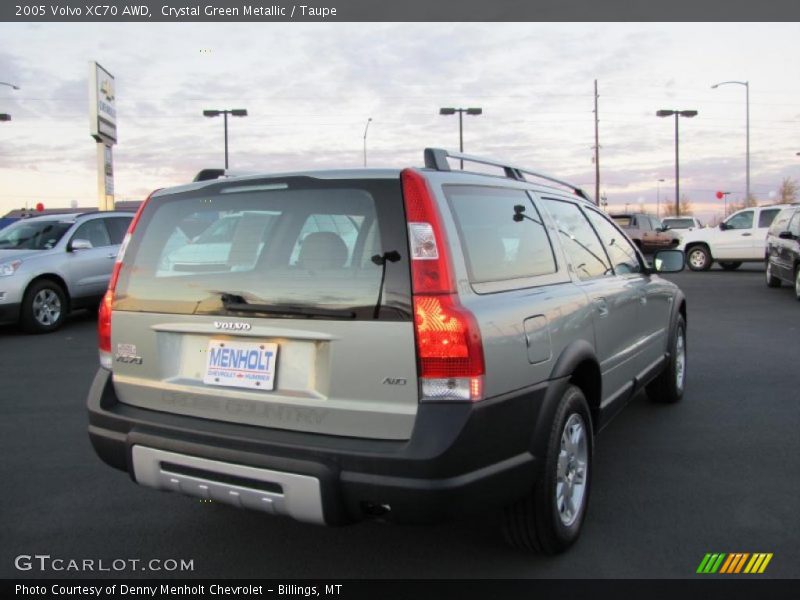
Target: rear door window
{"type": "Point", "coordinates": [767, 216]}
{"type": "Point", "coordinates": [117, 228]}
{"type": "Point", "coordinates": [496, 246]}
{"type": "Point", "coordinates": [95, 232]}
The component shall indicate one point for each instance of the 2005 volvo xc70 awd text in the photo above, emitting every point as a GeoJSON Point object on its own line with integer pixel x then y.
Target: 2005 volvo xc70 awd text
{"type": "Point", "coordinates": [407, 344]}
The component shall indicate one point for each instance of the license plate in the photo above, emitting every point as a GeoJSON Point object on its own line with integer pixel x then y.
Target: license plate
{"type": "Point", "coordinates": [248, 365]}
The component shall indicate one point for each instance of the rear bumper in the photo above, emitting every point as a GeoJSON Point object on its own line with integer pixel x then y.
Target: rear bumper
{"type": "Point", "coordinates": [461, 459]}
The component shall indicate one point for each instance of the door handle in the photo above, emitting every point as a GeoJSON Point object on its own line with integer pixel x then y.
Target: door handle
{"type": "Point", "coordinates": [601, 305]}
{"type": "Point", "coordinates": [111, 256]}
{"type": "Point", "coordinates": [747, 234]}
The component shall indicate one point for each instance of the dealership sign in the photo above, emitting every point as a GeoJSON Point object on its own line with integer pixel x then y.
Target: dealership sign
{"type": "Point", "coordinates": [102, 105]}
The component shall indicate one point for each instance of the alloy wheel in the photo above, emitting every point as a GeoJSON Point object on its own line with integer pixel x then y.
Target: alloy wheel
{"type": "Point", "coordinates": [571, 475]}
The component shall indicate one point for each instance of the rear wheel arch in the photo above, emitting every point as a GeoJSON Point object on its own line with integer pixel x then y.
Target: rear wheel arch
{"type": "Point", "coordinates": [579, 366]}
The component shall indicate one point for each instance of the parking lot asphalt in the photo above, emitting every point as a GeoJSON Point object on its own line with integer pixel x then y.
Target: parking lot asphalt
{"type": "Point", "coordinates": [719, 472]}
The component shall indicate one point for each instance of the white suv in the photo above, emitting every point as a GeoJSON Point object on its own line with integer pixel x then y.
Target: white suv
{"type": "Point", "coordinates": [739, 238]}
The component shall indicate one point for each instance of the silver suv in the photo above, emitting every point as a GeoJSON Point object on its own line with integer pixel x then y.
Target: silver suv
{"type": "Point", "coordinates": [53, 263]}
{"type": "Point", "coordinates": [408, 344]}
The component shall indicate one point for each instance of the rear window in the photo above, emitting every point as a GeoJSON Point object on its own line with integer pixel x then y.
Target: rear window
{"type": "Point", "coordinates": [622, 221]}
{"type": "Point", "coordinates": [679, 223]}
{"type": "Point", "coordinates": [298, 244]}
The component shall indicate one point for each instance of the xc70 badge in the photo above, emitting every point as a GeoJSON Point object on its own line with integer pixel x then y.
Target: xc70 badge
{"type": "Point", "coordinates": [126, 353]}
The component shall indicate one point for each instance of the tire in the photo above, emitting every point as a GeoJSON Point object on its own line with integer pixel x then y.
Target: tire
{"type": "Point", "coordinates": [44, 307]}
{"type": "Point", "coordinates": [797, 283]}
{"type": "Point", "coordinates": [699, 258]}
{"type": "Point", "coordinates": [543, 521]}
{"type": "Point", "coordinates": [730, 266]}
{"type": "Point", "coordinates": [772, 281]}
{"type": "Point", "coordinates": [668, 387]}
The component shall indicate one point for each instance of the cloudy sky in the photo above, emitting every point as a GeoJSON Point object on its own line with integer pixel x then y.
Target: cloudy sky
{"type": "Point", "coordinates": [309, 89]}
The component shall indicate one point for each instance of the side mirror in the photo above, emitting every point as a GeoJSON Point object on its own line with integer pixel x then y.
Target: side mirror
{"type": "Point", "coordinates": [668, 261]}
{"type": "Point", "coordinates": [723, 226]}
{"type": "Point", "coordinates": [80, 244]}
{"type": "Point", "coordinates": [786, 235]}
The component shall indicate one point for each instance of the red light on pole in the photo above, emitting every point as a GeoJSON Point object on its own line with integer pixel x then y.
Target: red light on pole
{"type": "Point", "coordinates": [720, 195]}
{"type": "Point", "coordinates": [39, 207]}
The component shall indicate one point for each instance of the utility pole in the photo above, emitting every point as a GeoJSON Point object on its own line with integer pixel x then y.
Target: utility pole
{"type": "Point", "coordinates": [596, 149]}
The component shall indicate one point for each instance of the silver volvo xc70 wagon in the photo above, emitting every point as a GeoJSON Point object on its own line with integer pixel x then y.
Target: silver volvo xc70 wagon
{"type": "Point", "coordinates": [410, 345]}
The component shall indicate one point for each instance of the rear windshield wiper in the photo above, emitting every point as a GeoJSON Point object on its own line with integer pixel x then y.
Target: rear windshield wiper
{"type": "Point", "coordinates": [238, 303]}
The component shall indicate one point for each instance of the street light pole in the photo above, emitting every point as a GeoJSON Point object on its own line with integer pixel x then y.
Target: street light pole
{"type": "Point", "coordinates": [365, 140]}
{"type": "Point", "coordinates": [677, 113]}
{"type": "Point", "coordinates": [470, 111]}
{"type": "Point", "coordinates": [236, 112]}
{"type": "Point", "coordinates": [746, 85]}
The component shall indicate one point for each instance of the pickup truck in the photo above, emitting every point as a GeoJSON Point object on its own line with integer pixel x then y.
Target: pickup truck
{"type": "Point", "coordinates": [739, 238]}
{"type": "Point", "coordinates": [645, 231]}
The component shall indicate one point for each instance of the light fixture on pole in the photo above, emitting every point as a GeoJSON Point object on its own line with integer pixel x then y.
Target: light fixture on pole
{"type": "Point", "coordinates": [470, 111]}
{"type": "Point", "coordinates": [746, 85]}
{"type": "Point", "coordinates": [658, 198]}
{"type": "Point", "coordinates": [6, 116]}
{"type": "Point", "coordinates": [366, 128]}
{"type": "Point", "coordinates": [235, 112]}
{"type": "Point", "coordinates": [677, 113]}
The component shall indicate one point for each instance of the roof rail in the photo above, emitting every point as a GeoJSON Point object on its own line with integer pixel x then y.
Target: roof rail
{"type": "Point", "coordinates": [436, 158]}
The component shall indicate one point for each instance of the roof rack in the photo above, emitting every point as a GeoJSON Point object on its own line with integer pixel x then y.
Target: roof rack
{"type": "Point", "coordinates": [436, 158]}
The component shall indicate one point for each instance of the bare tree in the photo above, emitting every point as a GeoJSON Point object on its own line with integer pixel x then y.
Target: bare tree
{"type": "Point", "coordinates": [686, 207]}
{"type": "Point", "coordinates": [788, 191]}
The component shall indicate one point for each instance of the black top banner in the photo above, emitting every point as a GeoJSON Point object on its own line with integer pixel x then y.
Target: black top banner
{"type": "Point", "coordinates": [408, 10]}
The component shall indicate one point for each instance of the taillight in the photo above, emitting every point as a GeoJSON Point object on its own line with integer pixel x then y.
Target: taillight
{"type": "Point", "coordinates": [449, 347]}
{"type": "Point", "coordinates": [107, 304]}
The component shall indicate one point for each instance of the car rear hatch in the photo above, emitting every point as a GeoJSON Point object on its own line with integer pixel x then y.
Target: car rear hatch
{"type": "Point", "coordinates": [279, 302]}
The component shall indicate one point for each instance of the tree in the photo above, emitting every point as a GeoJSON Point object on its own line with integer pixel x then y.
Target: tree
{"type": "Point", "coordinates": [788, 191]}
{"type": "Point", "coordinates": [686, 207]}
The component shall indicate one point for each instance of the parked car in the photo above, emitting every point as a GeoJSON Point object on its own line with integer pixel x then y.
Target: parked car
{"type": "Point", "coordinates": [783, 250]}
{"type": "Point", "coordinates": [52, 264]}
{"type": "Point", "coordinates": [406, 344]}
{"type": "Point", "coordinates": [739, 238]}
{"type": "Point", "coordinates": [681, 223]}
{"type": "Point", "coordinates": [646, 231]}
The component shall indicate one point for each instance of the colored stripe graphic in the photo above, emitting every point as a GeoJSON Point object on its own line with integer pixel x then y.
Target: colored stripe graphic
{"type": "Point", "coordinates": [733, 563]}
